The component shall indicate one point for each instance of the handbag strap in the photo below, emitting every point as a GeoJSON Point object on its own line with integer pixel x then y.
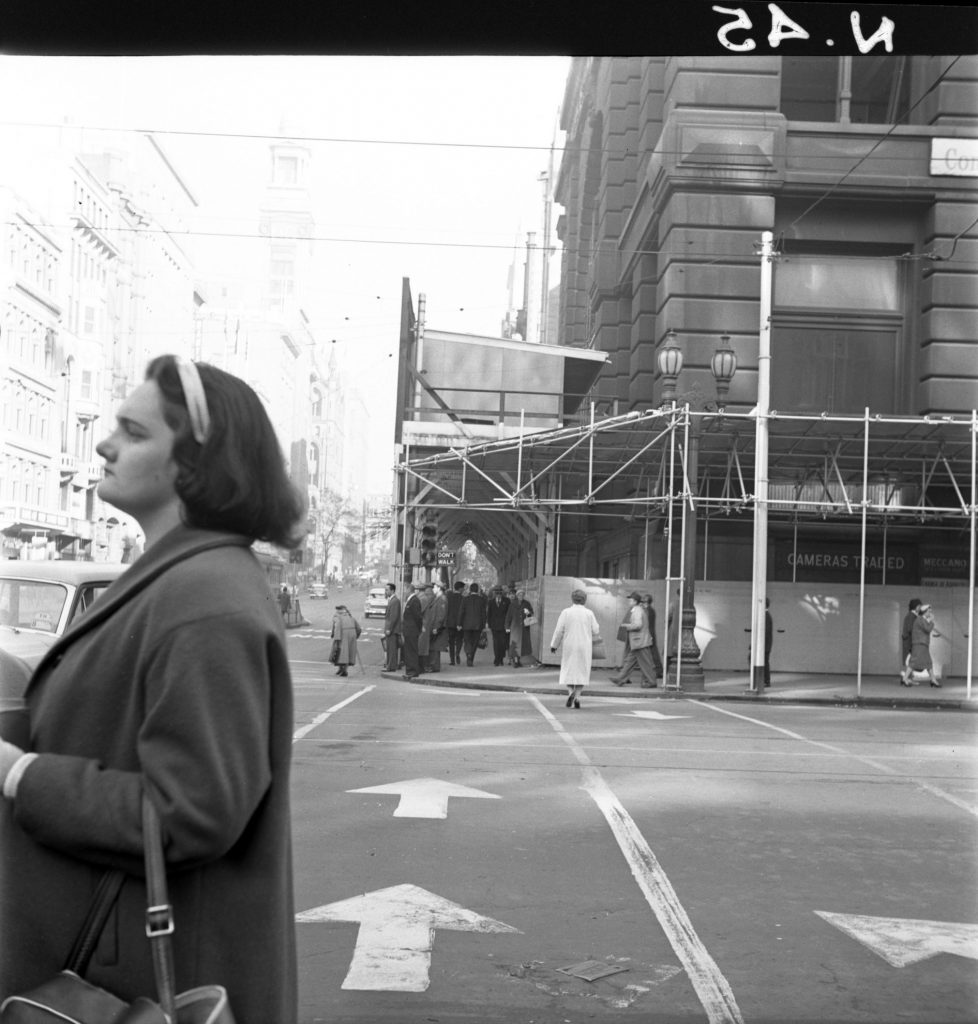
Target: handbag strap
{"type": "Point", "coordinates": [159, 913]}
{"type": "Point", "coordinates": [106, 893]}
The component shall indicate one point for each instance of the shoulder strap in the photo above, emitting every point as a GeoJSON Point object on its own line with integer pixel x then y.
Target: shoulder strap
{"type": "Point", "coordinates": [106, 893]}
{"type": "Point", "coordinates": [159, 913]}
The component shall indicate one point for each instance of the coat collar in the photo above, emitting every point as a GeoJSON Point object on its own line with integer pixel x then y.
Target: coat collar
{"type": "Point", "coordinates": [177, 545]}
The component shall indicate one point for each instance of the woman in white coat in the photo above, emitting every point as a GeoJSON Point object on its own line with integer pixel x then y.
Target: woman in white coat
{"type": "Point", "coordinates": [576, 630]}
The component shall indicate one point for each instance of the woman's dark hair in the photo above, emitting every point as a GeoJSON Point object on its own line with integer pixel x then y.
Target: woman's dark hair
{"type": "Point", "coordinates": [236, 479]}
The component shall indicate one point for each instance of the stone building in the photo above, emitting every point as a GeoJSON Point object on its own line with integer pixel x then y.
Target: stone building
{"type": "Point", "coordinates": [864, 171]}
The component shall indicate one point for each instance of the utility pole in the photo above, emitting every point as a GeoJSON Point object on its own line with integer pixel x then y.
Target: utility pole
{"type": "Point", "coordinates": [763, 409]}
{"type": "Point", "coordinates": [547, 177]}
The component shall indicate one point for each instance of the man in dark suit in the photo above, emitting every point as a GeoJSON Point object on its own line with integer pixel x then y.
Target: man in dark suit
{"type": "Point", "coordinates": [496, 621]}
{"type": "Point", "coordinates": [411, 624]}
{"type": "Point", "coordinates": [453, 616]}
{"type": "Point", "coordinates": [472, 621]}
{"type": "Point", "coordinates": [392, 628]}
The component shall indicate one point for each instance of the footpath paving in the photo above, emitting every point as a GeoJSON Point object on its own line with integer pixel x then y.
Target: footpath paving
{"type": "Point", "coordinates": [786, 687]}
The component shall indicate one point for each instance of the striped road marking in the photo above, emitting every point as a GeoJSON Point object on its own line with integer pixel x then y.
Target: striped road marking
{"type": "Point", "coordinates": [925, 787]}
{"type": "Point", "coordinates": [320, 718]}
{"type": "Point", "coordinates": [713, 990]}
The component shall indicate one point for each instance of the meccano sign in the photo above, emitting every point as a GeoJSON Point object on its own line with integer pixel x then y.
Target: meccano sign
{"type": "Point", "coordinates": [842, 562]}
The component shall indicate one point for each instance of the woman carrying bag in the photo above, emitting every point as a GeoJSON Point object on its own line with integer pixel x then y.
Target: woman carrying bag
{"type": "Point", "coordinates": [346, 632]}
{"type": "Point", "coordinates": [174, 687]}
{"type": "Point", "coordinates": [519, 619]}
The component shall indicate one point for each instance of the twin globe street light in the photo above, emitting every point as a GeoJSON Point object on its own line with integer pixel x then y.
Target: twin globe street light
{"type": "Point", "coordinates": [688, 673]}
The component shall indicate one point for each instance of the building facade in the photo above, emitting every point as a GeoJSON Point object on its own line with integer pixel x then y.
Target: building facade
{"type": "Point", "coordinates": [864, 171]}
{"type": "Point", "coordinates": [94, 282]}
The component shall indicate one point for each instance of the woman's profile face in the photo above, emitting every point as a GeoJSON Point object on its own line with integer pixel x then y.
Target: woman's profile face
{"type": "Point", "coordinates": [140, 471]}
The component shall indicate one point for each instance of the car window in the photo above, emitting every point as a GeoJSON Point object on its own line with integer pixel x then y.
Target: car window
{"type": "Point", "coordinates": [86, 597]}
{"type": "Point", "coordinates": [29, 604]}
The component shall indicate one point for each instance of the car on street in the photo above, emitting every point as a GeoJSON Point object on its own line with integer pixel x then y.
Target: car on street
{"type": "Point", "coordinates": [376, 603]}
{"type": "Point", "coordinates": [318, 590]}
{"type": "Point", "coordinates": [40, 599]}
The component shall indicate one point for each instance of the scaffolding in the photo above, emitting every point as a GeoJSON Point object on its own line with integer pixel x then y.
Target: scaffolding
{"type": "Point", "coordinates": [877, 472]}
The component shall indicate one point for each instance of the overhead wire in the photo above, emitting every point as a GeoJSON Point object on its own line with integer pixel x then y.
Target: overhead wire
{"type": "Point", "coordinates": [879, 142]}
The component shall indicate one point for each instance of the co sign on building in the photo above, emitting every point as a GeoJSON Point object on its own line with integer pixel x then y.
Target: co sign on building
{"type": "Point", "coordinates": [957, 158]}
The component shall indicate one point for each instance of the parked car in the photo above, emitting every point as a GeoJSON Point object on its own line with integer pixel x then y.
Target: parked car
{"type": "Point", "coordinates": [38, 600]}
{"type": "Point", "coordinates": [376, 603]}
{"type": "Point", "coordinates": [318, 590]}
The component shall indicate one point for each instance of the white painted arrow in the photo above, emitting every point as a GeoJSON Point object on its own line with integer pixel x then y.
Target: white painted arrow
{"type": "Point", "coordinates": [657, 715]}
{"type": "Point", "coordinates": [901, 941]}
{"type": "Point", "coordinates": [426, 798]}
{"type": "Point", "coordinates": [397, 933]}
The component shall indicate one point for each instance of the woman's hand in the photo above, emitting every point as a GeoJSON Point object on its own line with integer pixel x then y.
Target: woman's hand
{"type": "Point", "coordinates": [9, 756]}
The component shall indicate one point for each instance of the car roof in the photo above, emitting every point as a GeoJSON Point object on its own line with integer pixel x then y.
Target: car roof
{"type": "Point", "coordinates": [60, 572]}
{"type": "Point", "coordinates": [378, 590]}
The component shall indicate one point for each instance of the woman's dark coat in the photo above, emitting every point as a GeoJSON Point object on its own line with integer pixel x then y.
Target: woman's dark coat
{"type": "Point", "coordinates": [519, 634]}
{"type": "Point", "coordinates": [175, 683]}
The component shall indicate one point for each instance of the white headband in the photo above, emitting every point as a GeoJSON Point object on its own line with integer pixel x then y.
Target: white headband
{"type": "Point", "coordinates": [193, 393]}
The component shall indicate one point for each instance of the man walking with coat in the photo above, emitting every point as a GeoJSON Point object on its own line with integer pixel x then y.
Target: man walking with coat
{"type": "Point", "coordinates": [638, 653]}
{"type": "Point", "coordinates": [473, 621]}
{"type": "Point", "coordinates": [411, 626]}
{"type": "Point", "coordinates": [392, 628]}
{"type": "Point", "coordinates": [434, 624]}
{"type": "Point", "coordinates": [496, 621]}
{"type": "Point", "coordinates": [453, 618]}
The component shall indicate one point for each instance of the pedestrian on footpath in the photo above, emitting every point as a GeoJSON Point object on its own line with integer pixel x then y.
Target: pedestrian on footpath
{"type": "Point", "coordinates": [648, 605]}
{"type": "Point", "coordinates": [906, 641]}
{"type": "Point", "coordinates": [923, 630]}
{"type": "Point", "coordinates": [434, 622]}
{"type": "Point", "coordinates": [392, 629]}
{"type": "Point", "coordinates": [412, 622]}
{"type": "Point", "coordinates": [427, 596]}
{"type": "Point", "coordinates": [346, 631]}
{"type": "Point", "coordinates": [187, 701]}
{"type": "Point", "coordinates": [453, 615]}
{"type": "Point", "coordinates": [472, 621]}
{"type": "Point", "coordinates": [574, 634]}
{"type": "Point", "coordinates": [518, 616]}
{"type": "Point", "coordinates": [638, 646]}
{"type": "Point", "coordinates": [496, 621]}
{"type": "Point", "coordinates": [285, 603]}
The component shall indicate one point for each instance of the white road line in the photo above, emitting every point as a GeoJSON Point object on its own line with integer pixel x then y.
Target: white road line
{"type": "Point", "coordinates": [320, 718]}
{"type": "Point", "coordinates": [871, 762]}
{"type": "Point", "coordinates": [713, 990]}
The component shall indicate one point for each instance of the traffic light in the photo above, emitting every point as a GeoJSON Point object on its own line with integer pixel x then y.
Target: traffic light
{"type": "Point", "coordinates": [429, 544]}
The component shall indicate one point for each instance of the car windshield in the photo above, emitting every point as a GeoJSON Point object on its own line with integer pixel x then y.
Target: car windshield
{"type": "Point", "coordinates": [32, 604]}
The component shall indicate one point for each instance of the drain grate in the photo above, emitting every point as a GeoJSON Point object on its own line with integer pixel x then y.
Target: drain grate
{"type": "Point", "coordinates": [591, 970]}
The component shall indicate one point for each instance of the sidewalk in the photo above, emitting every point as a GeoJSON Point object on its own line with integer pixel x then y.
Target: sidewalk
{"type": "Point", "coordinates": [786, 687]}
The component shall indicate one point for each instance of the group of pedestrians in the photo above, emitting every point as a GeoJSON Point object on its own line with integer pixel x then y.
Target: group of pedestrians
{"type": "Point", "coordinates": [459, 621]}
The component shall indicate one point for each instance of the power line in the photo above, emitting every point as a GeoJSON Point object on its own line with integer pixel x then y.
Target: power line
{"type": "Point", "coordinates": [879, 142]}
{"type": "Point", "coordinates": [342, 140]}
{"type": "Point", "coordinates": [734, 259]}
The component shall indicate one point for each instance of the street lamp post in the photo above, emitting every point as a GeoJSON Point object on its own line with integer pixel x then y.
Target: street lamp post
{"type": "Point", "coordinates": [688, 673]}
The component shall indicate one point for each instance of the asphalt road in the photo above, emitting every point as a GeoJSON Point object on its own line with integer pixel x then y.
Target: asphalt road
{"type": "Point", "coordinates": [760, 864]}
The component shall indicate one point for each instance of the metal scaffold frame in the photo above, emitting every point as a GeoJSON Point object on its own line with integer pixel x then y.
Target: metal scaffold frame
{"type": "Point", "coordinates": [874, 471]}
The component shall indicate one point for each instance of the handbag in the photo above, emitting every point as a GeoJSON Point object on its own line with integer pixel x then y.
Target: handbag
{"type": "Point", "coordinates": [483, 641]}
{"type": "Point", "coordinates": [68, 997]}
{"type": "Point", "coordinates": [623, 633]}
{"type": "Point", "coordinates": [597, 648]}
{"type": "Point", "coordinates": [530, 620]}
{"type": "Point", "coordinates": [334, 653]}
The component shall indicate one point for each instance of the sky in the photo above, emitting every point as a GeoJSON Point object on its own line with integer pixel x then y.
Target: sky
{"type": "Point", "coordinates": [422, 167]}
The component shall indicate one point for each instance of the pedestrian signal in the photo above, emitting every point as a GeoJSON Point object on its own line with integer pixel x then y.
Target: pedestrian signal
{"type": "Point", "coordinates": [429, 544]}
